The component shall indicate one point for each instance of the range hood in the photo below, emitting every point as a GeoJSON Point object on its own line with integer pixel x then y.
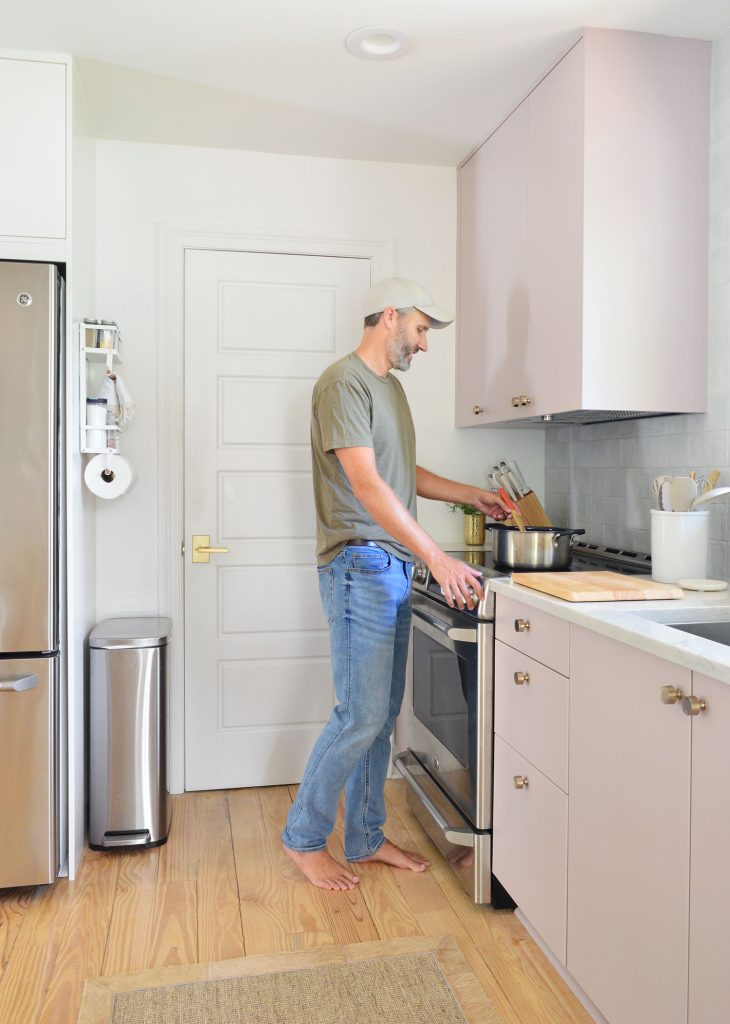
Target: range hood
{"type": "Point", "coordinates": [579, 416]}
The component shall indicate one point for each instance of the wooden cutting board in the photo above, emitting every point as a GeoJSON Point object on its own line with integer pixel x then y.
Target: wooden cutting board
{"type": "Point", "coordinates": [597, 586]}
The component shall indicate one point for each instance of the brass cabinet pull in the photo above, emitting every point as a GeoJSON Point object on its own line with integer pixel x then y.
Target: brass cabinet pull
{"type": "Point", "coordinates": [515, 401]}
{"type": "Point", "coordinates": [524, 400]}
{"type": "Point", "coordinates": [522, 625]}
{"type": "Point", "coordinates": [477, 410]}
{"type": "Point", "coordinates": [670, 695]}
{"type": "Point", "coordinates": [519, 400]}
{"type": "Point", "coordinates": [693, 705]}
{"type": "Point", "coordinates": [521, 781]}
{"type": "Point", "coordinates": [522, 677]}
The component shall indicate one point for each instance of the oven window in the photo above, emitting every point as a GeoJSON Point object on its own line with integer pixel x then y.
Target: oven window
{"type": "Point", "coordinates": [445, 693]}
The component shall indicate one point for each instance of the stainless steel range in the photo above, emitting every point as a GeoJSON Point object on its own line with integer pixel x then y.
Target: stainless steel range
{"type": "Point", "coordinates": [450, 701]}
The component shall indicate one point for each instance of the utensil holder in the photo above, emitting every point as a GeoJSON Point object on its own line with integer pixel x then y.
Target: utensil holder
{"type": "Point", "coordinates": [679, 545]}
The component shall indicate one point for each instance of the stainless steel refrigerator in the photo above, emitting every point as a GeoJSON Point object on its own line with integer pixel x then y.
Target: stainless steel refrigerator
{"type": "Point", "coordinates": [31, 318]}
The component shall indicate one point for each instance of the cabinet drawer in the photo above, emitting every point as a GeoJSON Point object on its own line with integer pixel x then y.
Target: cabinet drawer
{"type": "Point", "coordinates": [531, 711]}
{"type": "Point", "coordinates": [530, 844]}
{"type": "Point", "coordinates": [544, 638]}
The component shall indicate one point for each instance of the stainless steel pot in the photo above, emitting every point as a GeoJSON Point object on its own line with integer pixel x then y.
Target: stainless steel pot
{"type": "Point", "coordinates": [537, 548]}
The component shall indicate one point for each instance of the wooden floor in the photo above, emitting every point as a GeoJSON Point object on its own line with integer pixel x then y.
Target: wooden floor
{"type": "Point", "coordinates": [221, 887]}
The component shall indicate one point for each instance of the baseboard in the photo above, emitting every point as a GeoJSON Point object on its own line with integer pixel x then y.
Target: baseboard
{"type": "Point", "coordinates": [569, 980]}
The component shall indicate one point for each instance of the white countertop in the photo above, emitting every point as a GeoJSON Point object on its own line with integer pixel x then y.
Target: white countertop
{"type": "Point", "coordinates": [642, 624]}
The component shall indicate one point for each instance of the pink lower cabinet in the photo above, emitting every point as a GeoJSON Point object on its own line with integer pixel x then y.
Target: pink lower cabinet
{"type": "Point", "coordinates": [709, 907]}
{"type": "Point", "coordinates": [530, 843]}
{"type": "Point", "coordinates": [629, 832]}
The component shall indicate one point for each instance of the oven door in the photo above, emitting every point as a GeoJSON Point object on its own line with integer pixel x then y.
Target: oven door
{"type": "Point", "coordinates": [452, 670]}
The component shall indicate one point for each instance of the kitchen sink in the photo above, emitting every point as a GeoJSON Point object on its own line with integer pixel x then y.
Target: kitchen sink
{"type": "Point", "coordinates": [717, 631]}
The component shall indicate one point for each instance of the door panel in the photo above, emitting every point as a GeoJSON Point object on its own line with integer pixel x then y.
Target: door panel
{"type": "Point", "coordinates": [259, 330]}
{"type": "Point", "coordinates": [28, 748]}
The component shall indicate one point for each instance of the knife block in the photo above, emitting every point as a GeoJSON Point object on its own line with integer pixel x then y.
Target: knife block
{"type": "Point", "coordinates": [533, 514]}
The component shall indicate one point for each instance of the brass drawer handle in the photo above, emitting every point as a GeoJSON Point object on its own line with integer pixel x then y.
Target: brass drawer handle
{"type": "Point", "coordinates": [521, 781]}
{"type": "Point", "coordinates": [693, 705]}
{"type": "Point", "coordinates": [522, 677]}
{"type": "Point", "coordinates": [522, 625]}
{"type": "Point", "coordinates": [670, 695]}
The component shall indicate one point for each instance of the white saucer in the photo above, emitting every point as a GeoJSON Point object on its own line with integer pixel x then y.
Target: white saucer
{"type": "Point", "coordinates": [703, 584]}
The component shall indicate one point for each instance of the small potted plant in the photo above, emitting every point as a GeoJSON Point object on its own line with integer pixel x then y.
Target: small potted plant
{"type": "Point", "coordinates": [473, 522]}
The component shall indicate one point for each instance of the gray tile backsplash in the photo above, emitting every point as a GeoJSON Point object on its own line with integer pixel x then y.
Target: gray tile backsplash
{"type": "Point", "coordinates": [599, 476]}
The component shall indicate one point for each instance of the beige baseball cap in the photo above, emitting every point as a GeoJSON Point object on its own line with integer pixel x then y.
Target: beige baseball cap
{"type": "Point", "coordinates": [402, 293]}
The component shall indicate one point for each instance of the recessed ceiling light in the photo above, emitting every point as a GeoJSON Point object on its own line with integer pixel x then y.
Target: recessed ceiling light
{"type": "Point", "coordinates": [378, 43]}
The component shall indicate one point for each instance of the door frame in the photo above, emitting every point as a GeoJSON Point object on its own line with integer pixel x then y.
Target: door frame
{"type": "Point", "coordinates": [172, 243]}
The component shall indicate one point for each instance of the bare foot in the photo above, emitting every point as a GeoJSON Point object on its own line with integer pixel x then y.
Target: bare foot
{"type": "Point", "coordinates": [391, 854]}
{"type": "Point", "coordinates": [322, 870]}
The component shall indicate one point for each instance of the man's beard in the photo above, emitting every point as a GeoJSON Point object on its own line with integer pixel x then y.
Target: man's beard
{"type": "Point", "coordinates": [399, 351]}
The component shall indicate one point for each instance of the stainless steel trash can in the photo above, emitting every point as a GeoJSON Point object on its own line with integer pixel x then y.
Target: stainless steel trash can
{"type": "Point", "coordinates": [128, 678]}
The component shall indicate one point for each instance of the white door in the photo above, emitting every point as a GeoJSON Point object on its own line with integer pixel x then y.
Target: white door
{"type": "Point", "coordinates": [259, 330]}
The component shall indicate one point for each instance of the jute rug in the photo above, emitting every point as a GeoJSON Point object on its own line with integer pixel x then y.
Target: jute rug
{"type": "Point", "coordinates": [401, 981]}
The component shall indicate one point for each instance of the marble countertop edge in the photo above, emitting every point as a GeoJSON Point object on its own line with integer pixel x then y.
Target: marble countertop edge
{"type": "Point", "coordinates": [645, 625]}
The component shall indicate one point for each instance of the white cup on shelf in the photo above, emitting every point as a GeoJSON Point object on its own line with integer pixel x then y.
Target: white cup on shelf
{"type": "Point", "coordinates": [679, 545]}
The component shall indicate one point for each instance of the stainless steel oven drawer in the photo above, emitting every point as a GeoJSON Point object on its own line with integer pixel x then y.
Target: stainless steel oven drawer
{"type": "Point", "coordinates": [468, 852]}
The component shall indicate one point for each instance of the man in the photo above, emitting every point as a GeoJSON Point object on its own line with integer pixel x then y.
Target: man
{"type": "Point", "coordinates": [365, 485]}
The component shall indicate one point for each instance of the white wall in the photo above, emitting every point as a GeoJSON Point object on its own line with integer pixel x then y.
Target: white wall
{"type": "Point", "coordinates": [141, 186]}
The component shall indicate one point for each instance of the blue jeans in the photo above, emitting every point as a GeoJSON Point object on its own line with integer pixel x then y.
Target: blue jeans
{"type": "Point", "coordinates": [366, 595]}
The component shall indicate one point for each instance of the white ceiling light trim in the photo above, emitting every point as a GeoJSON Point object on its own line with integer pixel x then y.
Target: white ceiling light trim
{"type": "Point", "coordinates": [376, 43]}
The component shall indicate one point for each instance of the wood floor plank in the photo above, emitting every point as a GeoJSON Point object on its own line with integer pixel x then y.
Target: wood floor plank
{"type": "Point", "coordinates": [347, 912]}
{"type": "Point", "coordinates": [132, 921]}
{"type": "Point", "coordinates": [501, 940]}
{"type": "Point", "coordinates": [220, 933]}
{"type": "Point", "coordinates": [300, 906]}
{"type": "Point", "coordinates": [26, 978]}
{"type": "Point", "coordinates": [82, 946]}
{"type": "Point", "coordinates": [174, 938]}
{"type": "Point", "coordinates": [13, 906]}
{"type": "Point", "coordinates": [179, 855]}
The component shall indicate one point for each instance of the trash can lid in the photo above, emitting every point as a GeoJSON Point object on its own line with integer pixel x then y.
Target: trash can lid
{"type": "Point", "coordinates": [132, 632]}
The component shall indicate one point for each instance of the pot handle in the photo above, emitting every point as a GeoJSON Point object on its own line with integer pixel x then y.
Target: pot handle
{"type": "Point", "coordinates": [573, 535]}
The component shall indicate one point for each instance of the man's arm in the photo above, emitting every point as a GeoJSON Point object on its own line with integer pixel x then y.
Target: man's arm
{"type": "Point", "coordinates": [438, 488]}
{"type": "Point", "coordinates": [456, 578]}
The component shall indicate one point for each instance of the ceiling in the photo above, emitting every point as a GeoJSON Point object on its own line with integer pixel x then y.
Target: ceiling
{"type": "Point", "coordinates": [275, 75]}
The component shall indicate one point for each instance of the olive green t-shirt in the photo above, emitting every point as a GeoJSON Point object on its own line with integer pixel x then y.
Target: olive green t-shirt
{"type": "Point", "coordinates": [353, 407]}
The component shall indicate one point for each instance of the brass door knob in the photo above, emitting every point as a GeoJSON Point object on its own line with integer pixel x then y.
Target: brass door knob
{"type": "Point", "coordinates": [521, 781]}
{"type": "Point", "coordinates": [693, 705]}
{"type": "Point", "coordinates": [477, 410]}
{"type": "Point", "coordinates": [669, 695]}
{"type": "Point", "coordinates": [202, 549]}
{"type": "Point", "coordinates": [522, 677]}
{"type": "Point", "coordinates": [522, 625]}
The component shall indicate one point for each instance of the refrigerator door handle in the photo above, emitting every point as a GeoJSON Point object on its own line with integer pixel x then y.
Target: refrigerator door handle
{"type": "Point", "coordinates": [19, 683]}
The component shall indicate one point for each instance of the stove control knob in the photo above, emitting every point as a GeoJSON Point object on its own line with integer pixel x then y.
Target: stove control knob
{"type": "Point", "coordinates": [420, 573]}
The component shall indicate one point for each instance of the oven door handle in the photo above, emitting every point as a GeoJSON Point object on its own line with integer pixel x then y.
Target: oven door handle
{"type": "Point", "coordinates": [457, 836]}
{"type": "Point", "coordinates": [455, 633]}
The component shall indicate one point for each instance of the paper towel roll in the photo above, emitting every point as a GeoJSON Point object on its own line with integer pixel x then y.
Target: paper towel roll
{"type": "Point", "coordinates": [109, 476]}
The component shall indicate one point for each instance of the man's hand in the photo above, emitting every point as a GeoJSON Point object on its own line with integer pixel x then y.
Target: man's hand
{"type": "Point", "coordinates": [490, 503]}
{"type": "Point", "coordinates": [461, 583]}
